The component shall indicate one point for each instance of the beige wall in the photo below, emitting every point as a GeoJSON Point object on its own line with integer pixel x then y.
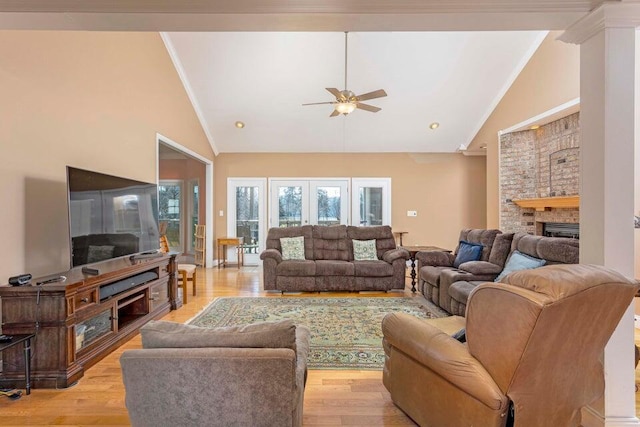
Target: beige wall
{"type": "Point", "coordinates": [87, 99]}
{"type": "Point", "coordinates": [551, 78]}
{"type": "Point", "coordinates": [447, 190]}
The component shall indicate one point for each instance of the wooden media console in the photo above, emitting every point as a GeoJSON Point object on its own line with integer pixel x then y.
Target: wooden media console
{"type": "Point", "coordinates": [74, 327]}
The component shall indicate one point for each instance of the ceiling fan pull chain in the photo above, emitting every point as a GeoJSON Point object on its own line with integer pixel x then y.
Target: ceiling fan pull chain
{"type": "Point", "coordinates": [346, 33]}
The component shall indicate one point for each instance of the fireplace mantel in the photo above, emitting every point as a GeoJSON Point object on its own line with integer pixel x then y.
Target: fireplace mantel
{"type": "Point", "coordinates": [546, 203]}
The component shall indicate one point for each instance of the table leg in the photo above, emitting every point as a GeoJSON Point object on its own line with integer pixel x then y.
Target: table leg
{"type": "Point", "coordinates": [219, 256]}
{"type": "Point", "coordinates": [413, 274]}
{"type": "Point", "coordinates": [27, 365]}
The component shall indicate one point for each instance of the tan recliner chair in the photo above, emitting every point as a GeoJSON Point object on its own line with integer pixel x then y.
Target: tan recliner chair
{"type": "Point", "coordinates": [536, 339]}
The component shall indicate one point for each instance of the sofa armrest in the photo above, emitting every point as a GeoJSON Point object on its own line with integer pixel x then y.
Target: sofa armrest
{"type": "Point", "coordinates": [271, 253]}
{"type": "Point", "coordinates": [395, 254]}
{"type": "Point", "coordinates": [480, 268]}
{"type": "Point", "coordinates": [436, 258]}
{"type": "Point", "coordinates": [442, 354]}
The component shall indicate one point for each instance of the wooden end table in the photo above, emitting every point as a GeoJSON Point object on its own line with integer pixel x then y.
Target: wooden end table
{"type": "Point", "coordinates": [413, 250]}
{"type": "Point", "coordinates": [223, 242]}
{"type": "Point", "coordinates": [26, 339]}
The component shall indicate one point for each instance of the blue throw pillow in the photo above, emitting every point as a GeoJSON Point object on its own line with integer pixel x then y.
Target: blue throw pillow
{"type": "Point", "coordinates": [467, 252]}
{"type": "Point", "coordinates": [519, 261]}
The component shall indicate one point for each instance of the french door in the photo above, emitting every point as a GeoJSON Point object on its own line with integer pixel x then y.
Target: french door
{"type": "Point", "coordinates": [296, 202]}
{"type": "Point", "coordinates": [246, 217]}
{"type": "Point", "coordinates": [371, 201]}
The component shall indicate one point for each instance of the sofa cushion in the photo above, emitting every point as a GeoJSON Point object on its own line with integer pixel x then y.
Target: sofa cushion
{"type": "Point", "coordinates": [331, 243]}
{"type": "Point", "coordinates": [467, 251]}
{"type": "Point", "coordinates": [275, 233]}
{"type": "Point", "coordinates": [292, 247]}
{"type": "Point", "coordinates": [334, 268]}
{"type": "Point", "coordinates": [480, 236]}
{"type": "Point", "coordinates": [381, 233]}
{"type": "Point", "coordinates": [99, 253]}
{"type": "Point", "coordinates": [364, 250]}
{"type": "Point", "coordinates": [431, 274]}
{"type": "Point", "coordinates": [372, 269]}
{"type": "Point", "coordinates": [296, 268]}
{"type": "Point", "coordinates": [519, 261]}
{"type": "Point", "coordinates": [163, 334]}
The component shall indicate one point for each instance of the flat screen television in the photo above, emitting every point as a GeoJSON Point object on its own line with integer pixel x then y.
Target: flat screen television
{"type": "Point", "coordinates": [110, 216]}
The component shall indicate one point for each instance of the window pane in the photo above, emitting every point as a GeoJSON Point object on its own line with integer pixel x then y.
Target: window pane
{"type": "Point", "coordinates": [290, 205]}
{"type": "Point", "coordinates": [169, 201]}
{"type": "Point", "coordinates": [195, 212]}
{"type": "Point", "coordinates": [247, 216]}
{"type": "Point", "coordinates": [328, 205]}
{"type": "Point", "coordinates": [371, 206]}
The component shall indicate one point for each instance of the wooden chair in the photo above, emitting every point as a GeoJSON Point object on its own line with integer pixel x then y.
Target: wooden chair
{"type": "Point", "coordinates": [186, 272]}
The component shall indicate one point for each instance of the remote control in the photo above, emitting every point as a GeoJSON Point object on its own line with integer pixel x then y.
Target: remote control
{"type": "Point", "coordinates": [5, 338]}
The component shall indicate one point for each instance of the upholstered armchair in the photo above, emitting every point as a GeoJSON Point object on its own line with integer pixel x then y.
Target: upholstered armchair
{"type": "Point", "coordinates": [533, 343]}
{"type": "Point", "coordinates": [437, 270]}
{"type": "Point", "coordinates": [235, 376]}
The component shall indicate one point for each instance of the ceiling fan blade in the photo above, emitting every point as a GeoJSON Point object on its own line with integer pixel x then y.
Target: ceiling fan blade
{"type": "Point", "coordinates": [319, 103]}
{"type": "Point", "coordinates": [334, 114]}
{"type": "Point", "coordinates": [368, 107]}
{"type": "Point", "coordinates": [372, 95]}
{"type": "Point", "coordinates": [333, 91]}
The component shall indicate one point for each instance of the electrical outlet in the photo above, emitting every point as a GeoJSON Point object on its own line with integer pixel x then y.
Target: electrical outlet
{"type": "Point", "coordinates": [221, 213]}
{"type": "Point", "coordinates": [412, 213]}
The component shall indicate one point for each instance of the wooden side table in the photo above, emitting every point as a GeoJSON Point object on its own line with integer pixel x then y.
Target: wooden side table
{"type": "Point", "coordinates": [26, 340]}
{"type": "Point", "coordinates": [413, 250]}
{"type": "Point", "coordinates": [223, 242]}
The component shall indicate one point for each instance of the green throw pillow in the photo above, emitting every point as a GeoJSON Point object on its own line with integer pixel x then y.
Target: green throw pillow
{"type": "Point", "coordinates": [364, 250]}
{"type": "Point", "coordinates": [292, 247]}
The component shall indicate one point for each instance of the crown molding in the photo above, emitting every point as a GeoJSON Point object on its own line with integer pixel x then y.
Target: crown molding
{"type": "Point", "coordinates": [618, 14]}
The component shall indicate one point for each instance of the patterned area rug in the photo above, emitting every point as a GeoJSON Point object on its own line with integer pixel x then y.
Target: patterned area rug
{"type": "Point", "coordinates": [345, 332]}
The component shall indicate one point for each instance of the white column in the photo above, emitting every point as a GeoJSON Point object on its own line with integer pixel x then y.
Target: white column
{"type": "Point", "coordinates": [607, 131]}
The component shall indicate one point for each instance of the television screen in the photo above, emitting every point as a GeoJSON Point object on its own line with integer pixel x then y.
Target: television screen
{"type": "Point", "coordinates": [110, 217]}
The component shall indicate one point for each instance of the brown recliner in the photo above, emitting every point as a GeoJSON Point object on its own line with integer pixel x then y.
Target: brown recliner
{"type": "Point", "coordinates": [535, 340]}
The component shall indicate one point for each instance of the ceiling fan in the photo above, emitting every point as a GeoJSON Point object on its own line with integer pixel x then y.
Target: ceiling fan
{"type": "Point", "coordinates": [346, 101]}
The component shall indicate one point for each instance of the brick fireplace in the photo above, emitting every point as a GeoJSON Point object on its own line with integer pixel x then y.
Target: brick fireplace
{"type": "Point", "coordinates": [539, 177]}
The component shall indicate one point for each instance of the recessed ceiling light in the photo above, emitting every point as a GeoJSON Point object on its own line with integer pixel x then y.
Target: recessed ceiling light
{"type": "Point", "coordinates": [534, 127]}
{"type": "Point", "coordinates": [434, 125]}
{"type": "Point", "coordinates": [239, 124]}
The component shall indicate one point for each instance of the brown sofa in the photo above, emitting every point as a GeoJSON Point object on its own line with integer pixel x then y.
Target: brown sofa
{"type": "Point", "coordinates": [185, 375]}
{"type": "Point", "coordinates": [436, 271]}
{"type": "Point", "coordinates": [533, 343]}
{"type": "Point", "coordinates": [329, 264]}
{"type": "Point", "coordinates": [554, 250]}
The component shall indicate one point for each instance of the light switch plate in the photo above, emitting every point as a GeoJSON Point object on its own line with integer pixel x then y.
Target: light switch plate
{"type": "Point", "coordinates": [412, 213]}
{"type": "Point", "coordinates": [221, 213]}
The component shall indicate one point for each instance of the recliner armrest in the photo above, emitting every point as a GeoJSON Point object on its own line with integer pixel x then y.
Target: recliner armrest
{"type": "Point", "coordinates": [480, 268]}
{"type": "Point", "coordinates": [435, 258]}
{"type": "Point", "coordinates": [442, 354]}
{"type": "Point", "coordinates": [394, 254]}
{"type": "Point", "coordinates": [271, 253]}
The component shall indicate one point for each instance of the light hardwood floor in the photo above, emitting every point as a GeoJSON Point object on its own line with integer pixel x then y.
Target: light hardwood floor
{"type": "Point", "coordinates": [332, 398]}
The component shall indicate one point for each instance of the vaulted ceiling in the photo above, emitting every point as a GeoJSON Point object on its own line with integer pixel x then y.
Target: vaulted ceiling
{"type": "Point", "coordinates": [262, 79]}
{"type": "Point", "coordinates": [258, 60]}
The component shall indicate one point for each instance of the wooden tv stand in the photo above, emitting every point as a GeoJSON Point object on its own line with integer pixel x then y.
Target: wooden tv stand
{"type": "Point", "coordinates": [74, 328]}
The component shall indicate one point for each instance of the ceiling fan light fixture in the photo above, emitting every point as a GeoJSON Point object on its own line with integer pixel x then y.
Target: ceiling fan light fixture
{"type": "Point", "coordinates": [345, 107]}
